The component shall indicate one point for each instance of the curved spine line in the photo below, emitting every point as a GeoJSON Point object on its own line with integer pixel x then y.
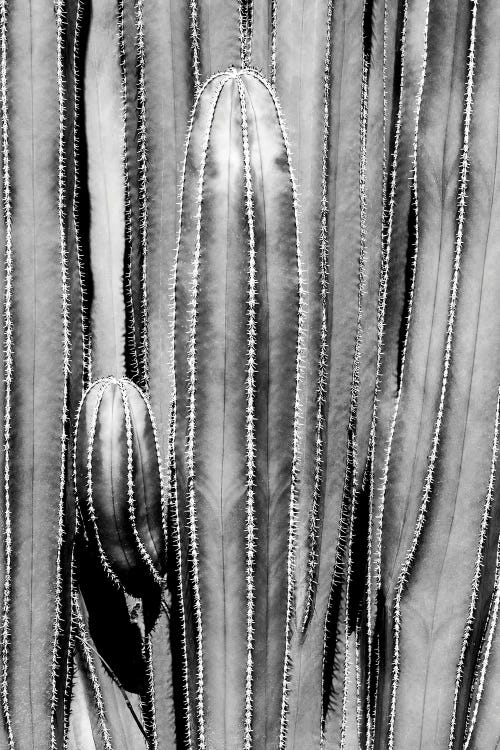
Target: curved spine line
{"type": "Point", "coordinates": [274, 30]}
{"type": "Point", "coordinates": [297, 423]}
{"type": "Point", "coordinates": [145, 557]}
{"type": "Point", "coordinates": [158, 456]}
{"type": "Point", "coordinates": [66, 341]}
{"type": "Point", "coordinates": [150, 697]}
{"type": "Point", "coordinates": [250, 419]}
{"type": "Point", "coordinates": [191, 431]}
{"type": "Point", "coordinates": [194, 33]}
{"type": "Point", "coordinates": [127, 271]}
{"type": "Point", "coordinates": [103, 557]}
{"type": "Point", "coordinates": [386, 253]}
{"type": "Point", "coordinates": [462, 195]}
{"type": "Point", "coordinates": [142, 155]}
{"type": "Point", "coordinates": [94, 679]}
{"type": "Point", "coordinates": [481, 675]}
{"type": "Point", "coordinates": [173, 500]}
{"type": "Point", "coordinates": [477, 572]}
{"type": "Point", "coordinates": [322, 378]}
{"type": "Point", "coordinates": [84, 304]}
{"type": "Point", "coordinates": [8, 366]}
{"type": "Point", "coordinates": [381, 304]}
{"type": "Point", "coordinates": [70, 654]}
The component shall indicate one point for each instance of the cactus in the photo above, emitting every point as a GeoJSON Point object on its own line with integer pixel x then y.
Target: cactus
{"type": "Point", "coordinates": [331, 489]}
{"type": "Point", "coordinates": [238, 331]}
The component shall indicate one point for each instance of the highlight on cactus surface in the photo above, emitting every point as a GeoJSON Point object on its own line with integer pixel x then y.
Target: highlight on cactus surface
{"type": "Point", "coordinates": [275, 225]}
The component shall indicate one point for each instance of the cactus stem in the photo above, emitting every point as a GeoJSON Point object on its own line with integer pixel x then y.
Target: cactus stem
{"type": "Point", "coordinates": [462, 196]}
{"type": "Point", "coordinates": [84, 303]}
{"type": "Point", "coordinates": [90, 666]}
{"type": "Point", "coordinates": [8, 367]}
{"type": "Point", "coordinates": [194, 33]}
{"type": "Point", "coordinates": [274, 30]}
{"type": "Point", "coordinates": [127, 280]}
{"type": "Point", "coordinates": [250, 418]}
{"type": "Point", "coordinates": [322, 379]}
{"type": "Point", "coordinates": [477, 572]}
{"type": "Point", "coordinates": [61, 201]}
{"type": "Point", "coordinates": [130, 489]}
{"type": "Point", "coordinates": [143, 190]}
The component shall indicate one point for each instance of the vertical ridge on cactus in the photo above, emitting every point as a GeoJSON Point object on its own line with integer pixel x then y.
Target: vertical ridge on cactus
{"type": "Point", "coordinates": [8, 370]}
{"type": "Point", "coordinates": [250, 419]}
{"type": "Point", "coordinates": [60, 12]}
{"type": "Point", "coordinates": [131, 326]}
{"type": "Point", "coordinates": [142, 157]}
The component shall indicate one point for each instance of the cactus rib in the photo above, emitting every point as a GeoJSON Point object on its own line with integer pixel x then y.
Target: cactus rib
{"type": "Point", "coordinates": [250, 419]}
{"type": "Point", "coordinates": [61, 201]}
{"type": "Point", "coordinates": [127, 273]}
{"type": "Point", "coordinates": [143, 192]}
{"type": "Point", "coordinates": [84, 302]}
{"type": "Point", "coordinates": [194, 33]}
{"type": "Point", "coordinates": [322, 377]}
{"type": "Point", "coordinates": [8, 367]}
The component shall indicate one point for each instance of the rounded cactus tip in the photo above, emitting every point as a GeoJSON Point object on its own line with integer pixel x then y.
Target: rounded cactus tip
{"type": "Point", "coordinates": [118, 484]}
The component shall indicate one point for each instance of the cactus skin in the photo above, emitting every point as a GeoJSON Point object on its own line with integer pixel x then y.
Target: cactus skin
{"type": "Point", "coordinates": [118, 484]}
{"type": "Point", "coordinates": [238, 330]}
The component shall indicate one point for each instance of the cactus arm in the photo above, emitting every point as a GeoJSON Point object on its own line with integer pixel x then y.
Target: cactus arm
{"type": "Point", "coordinates": [103, 118]}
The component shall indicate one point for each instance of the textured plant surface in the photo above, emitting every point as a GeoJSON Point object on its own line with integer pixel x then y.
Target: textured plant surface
{"type": "Point", "coordinates": [316, 330]}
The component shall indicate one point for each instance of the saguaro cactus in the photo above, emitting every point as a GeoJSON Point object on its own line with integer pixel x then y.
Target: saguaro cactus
{"type": "Point", "coordinates": [235, 443]}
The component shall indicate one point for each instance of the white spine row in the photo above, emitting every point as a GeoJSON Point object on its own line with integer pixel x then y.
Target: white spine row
{"type": "Point", "coordinates": [131, 503]}
{"type": "Point", "coordinates": [194, 33]}
{"type": "Point", "coordinates": [8, 366]}
{"type": "Point", "coordinates": [84, 311]}
{"type": "Point", "coordinates": [323, 361]}
{"type": "Point", "coordinates": [251, 447]}
{"type": "Point", "coordinates": [476, 582]}
{"type": "Point", "coordinates": [86, 652]}
{"type": "Point", "coordinates": [426, 495]}
{"type": "Point", "coordinates": [142, 156]}
{"type": "Point", "coordinates": [127, 271]}
{"type": "Point", "coordinates": [60, 13]}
